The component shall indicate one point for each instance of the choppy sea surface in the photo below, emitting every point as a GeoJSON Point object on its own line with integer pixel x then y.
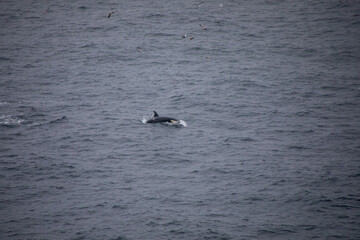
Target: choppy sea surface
{"type": "Point", "coordinates": [270, 94]}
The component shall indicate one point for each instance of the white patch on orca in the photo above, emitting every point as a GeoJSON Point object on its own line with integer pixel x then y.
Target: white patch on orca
{"type": "Point", "coordinates": [177, 123]}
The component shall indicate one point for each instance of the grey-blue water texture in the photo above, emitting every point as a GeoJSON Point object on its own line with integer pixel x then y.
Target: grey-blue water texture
{"type": "Point", "coordinates": [267, 91]}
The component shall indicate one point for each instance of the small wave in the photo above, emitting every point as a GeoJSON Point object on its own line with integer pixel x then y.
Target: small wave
{"type": "Point", "coordinates": [345, 206]}
{"type": "Point", "coordinates": [29, 66]}
{"type": "Point", "coordinates": [184, 62]}
{"type": "Point", "coordinates": [297, 147]}
{"type": "Point", "coordinates": [58, 120]}
{"type": "Point", "coordinates": [4, 59]}
{"type": "Point", "coordinates": [247, 139]}
{"type": "Point", "coordinates": [119, 207]}
{"type": "Point", "coordinates": [334, 88]}
{"type": "Point", "coordinates": [355, 175]}
{"type": "Point", "coordinates": [88, 45]}
{"type": "Point", "coordinates": [234, 140]}
{"type": "Point", "coordinates": [120, 238]}
{"type": "Point", "coordinates": [33, 120]}
{"type": "Point", "coordinates": [178, 97]}
{"type": "Point", "coordinates": [155, 15]}
{"type": "Point", "coordinates": [195, 49]}
{"type": "Point", "coordinates": [11, 121]}
{"type": "Point", "coordinates": [160, 34]}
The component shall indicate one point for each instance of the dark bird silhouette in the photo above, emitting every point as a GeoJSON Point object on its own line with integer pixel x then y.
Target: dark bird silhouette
{"type": "Point", "coordinates": [47, 10]}
{"type": "Point", "coordinates": [204, 28]}
{"type": "Point", "coordinates": [198, 4]}
{"type": "Point", "coordinates": [111, 12]}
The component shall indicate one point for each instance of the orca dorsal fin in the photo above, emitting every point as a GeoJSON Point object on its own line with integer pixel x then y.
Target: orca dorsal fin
{"type": "Point", "coordinates": [155, 114]}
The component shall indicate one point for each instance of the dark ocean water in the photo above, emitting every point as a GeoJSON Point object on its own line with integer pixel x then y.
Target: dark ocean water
{"type": "Point", "coordinates": [270, 93]}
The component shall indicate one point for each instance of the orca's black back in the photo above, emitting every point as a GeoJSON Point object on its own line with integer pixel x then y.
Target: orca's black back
{"type": "Point", "coordinates": [161, 119]}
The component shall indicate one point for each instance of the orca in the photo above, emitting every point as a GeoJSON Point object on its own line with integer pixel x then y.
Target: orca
{"type": "Point", "coordinates": [157, 119]}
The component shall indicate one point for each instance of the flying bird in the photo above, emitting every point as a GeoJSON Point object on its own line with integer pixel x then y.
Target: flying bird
{"type": "Point", "coordinates": [47, 10]}
{"type": "Point", "coordinates": [204, 28]}
{"type": "Point", "coordinates": [111, 12]}
{"type": "Point", "coordinates": [198, 4]}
